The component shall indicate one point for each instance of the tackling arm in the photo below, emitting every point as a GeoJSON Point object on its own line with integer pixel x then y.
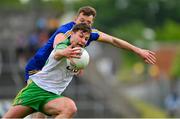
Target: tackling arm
{"type": "Point", "coordinates": [147, 55]}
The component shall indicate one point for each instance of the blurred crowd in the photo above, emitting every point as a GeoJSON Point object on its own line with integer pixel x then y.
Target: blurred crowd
{"type": "Point", "coordinates": [26, 46]}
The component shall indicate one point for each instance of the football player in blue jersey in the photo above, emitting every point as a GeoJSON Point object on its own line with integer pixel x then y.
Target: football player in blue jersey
{"type": "Point", "coordinates": [86, 15]}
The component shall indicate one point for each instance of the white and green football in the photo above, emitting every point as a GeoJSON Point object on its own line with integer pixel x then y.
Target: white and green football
{"type": "Point", "coordinates": [80, 63]}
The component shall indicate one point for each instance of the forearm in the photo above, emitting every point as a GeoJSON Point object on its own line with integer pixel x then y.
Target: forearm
{"type": "Point", "coordinates": [58, 54]}
{"type": "Point", "coordinates": [118, 42]}
{"type": "Point", "coordinates": [125, 45]}
{"type": "Point", "coordinates": [147, 55]}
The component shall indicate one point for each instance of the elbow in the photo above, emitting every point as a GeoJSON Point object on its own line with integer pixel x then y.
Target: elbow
{"type": "Point", "coordinates": [114, 42]}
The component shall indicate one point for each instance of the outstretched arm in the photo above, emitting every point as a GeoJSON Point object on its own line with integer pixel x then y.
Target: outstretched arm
{"type": "Point", "coordinates": [147, 55]}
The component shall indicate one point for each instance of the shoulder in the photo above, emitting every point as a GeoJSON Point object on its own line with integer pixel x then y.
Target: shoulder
{"type": "Point", "coordinates": [66, 27]}
{"type": "Point", "coordinates": [94, 30]}
{"type": "Point", "coordinates": [63, 44]}
{"type": "Point", "coordinates": [95, 34]}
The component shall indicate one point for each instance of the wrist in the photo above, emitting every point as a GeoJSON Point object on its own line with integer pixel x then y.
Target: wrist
{"type": "Point", "coordinates": [137, 50]}
{"type": "Point", "coordinates": [59, 54]}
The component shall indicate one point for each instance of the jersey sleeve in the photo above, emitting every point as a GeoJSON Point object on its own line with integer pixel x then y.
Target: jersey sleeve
{"type": "Point", "coordinates": [66, 29]}
{"type": "Point", "coordinates": [94, 36]}
{"type": "Point", "coordinates": [60, 46]}
{"type": "Point", "coordinates": [63, 29]}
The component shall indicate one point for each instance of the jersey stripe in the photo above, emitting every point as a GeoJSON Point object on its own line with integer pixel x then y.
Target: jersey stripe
{"type": "Point", "coordinates": [68, 33]}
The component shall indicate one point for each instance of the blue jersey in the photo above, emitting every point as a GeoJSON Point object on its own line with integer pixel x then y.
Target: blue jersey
{"type": "Point", "coordinates": [38, 60]}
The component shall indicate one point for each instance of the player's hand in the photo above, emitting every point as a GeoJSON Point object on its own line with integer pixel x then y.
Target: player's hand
{"type": "Point", "coordinates": [71, 52]}
{"type": "Point", "coordinates": [147, 55]}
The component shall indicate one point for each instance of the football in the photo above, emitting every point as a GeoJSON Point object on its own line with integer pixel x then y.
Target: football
{"type": "Point", "coordinates": [80, 63]}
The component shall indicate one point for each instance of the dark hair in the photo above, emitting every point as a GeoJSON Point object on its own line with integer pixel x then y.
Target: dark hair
{"type": "Point", "coordinates": [87, 10]}
{"type": "Point", "coordinates": [83, 27]}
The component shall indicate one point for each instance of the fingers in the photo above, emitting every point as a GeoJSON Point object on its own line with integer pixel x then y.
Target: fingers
{"type": "Point", "coordinates": [150, 58]}
{"type": "Point", "coordinates": [73, 52]}
{"type": "Point", "coordinates": [74, 48]}
{"type": "Point", "coordinates": [75, 56]}
{"type": "Point", "coordinates": [149, 61]}
{"type": "Point", "coordinates": [76, 52]}
{"type": "Point", "coordinates": [78, 49]}
{"type": "Point", "coordinates": [152, 53]}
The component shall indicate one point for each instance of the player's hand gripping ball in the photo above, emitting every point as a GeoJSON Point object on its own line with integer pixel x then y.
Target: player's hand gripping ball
{"type": "Point", "coordinates": [80, 63]}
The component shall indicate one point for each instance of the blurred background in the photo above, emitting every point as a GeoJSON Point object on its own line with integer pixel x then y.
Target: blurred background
{"type": "Point", "coordinates": [117, 83]}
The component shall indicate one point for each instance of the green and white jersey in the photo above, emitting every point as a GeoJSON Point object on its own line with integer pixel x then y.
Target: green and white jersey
{"type": "Point", "coordinates": [55, 75]}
